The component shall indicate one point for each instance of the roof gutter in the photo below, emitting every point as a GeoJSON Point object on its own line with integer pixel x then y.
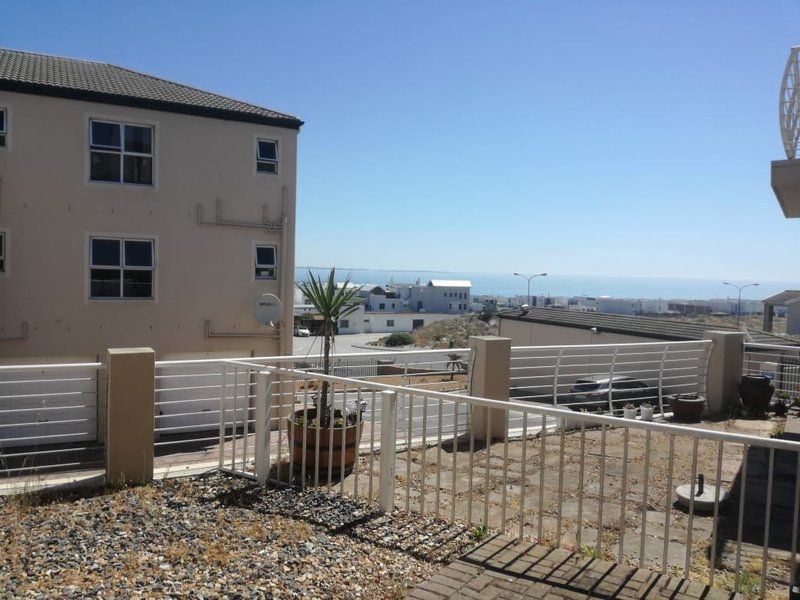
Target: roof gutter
{"type": "Point", "coordinates": [145, 103]}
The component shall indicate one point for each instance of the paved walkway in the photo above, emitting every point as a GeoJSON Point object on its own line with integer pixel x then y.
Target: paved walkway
{"type": "Point", "coordinates": [503, 568]}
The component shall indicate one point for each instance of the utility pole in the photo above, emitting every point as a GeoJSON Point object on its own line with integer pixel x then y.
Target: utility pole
{"type": "Point", "coordinates": [739, 300]}
{"type": "Point", "coordinates": [529, 277]}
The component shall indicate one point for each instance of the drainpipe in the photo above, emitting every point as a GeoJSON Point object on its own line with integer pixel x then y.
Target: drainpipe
{"type": "Point", "coordinates": [286, 292]}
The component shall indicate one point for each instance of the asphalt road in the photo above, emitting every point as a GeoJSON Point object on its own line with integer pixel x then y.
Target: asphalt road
{"type": "Point", "coordinates": [343, 344]}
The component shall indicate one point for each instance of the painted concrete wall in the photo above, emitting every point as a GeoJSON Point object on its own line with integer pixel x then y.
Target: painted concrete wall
{"type": "Point", "coordinates": [439, 298]}
{"type": "Point", "coordinates": [49, 209]}
{"type": "Point", "coordinates": [370, 322]}
{"type": "Point", "coordinates": [525, 333]}
{"type": "Point", "coordinates": [793, 317]}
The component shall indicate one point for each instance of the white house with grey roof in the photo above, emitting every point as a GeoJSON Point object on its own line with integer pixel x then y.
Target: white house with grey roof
{"type": "Point", "coordinates": [139, 212]}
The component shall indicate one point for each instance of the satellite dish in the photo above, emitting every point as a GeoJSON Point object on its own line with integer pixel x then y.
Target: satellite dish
{"type": "Point", "coordinates": [268, 309]}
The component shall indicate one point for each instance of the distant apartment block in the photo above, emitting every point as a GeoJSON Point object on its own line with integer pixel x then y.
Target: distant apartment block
{"type": "Point", "coordinates": [139, 212]}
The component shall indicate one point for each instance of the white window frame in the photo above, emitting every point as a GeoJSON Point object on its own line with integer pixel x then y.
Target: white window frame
{"type": "Point", "coordinates": [344, 324]}
{"type": "Point", "coordinates": [122, 267]}
{"type": "Point", "coordinates": [257, 265]}
{"type": "Point", "coordinates": [275, 162]}
{"type": "Point", "coordinates": [390, 322]}
{"type": "Point", "coordinates": [4, 130]}
{"type": "Point", "coordinates": [4, 252]}
{"type": "Point", "coordinates": [122, 152]}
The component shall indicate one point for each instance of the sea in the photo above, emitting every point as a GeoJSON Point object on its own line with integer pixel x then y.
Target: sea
{"type": "Point", "coordinates": [502, 284]}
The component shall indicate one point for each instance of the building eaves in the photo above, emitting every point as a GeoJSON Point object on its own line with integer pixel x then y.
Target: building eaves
{"type": "Point", "coordinates": [45, 75]}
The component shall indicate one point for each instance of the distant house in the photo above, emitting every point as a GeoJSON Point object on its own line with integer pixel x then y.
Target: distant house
{"type": "Point", "coordinates": [553, 326]}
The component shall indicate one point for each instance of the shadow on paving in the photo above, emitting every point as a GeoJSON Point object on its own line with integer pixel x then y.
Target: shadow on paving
{"type": "Point", "coordinates": [526, 569]}
{"type": "Point", "coordinates": [755, 501]}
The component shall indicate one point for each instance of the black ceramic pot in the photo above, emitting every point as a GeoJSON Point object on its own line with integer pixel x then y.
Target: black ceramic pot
{"type": "Point", "coordinates": [756, 392]}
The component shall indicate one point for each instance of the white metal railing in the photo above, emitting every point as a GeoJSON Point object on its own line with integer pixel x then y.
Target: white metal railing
{"type": "Point", "coordinates": [192, 395]}
{"type": "Point", "coordinates": [564, 478]}
{"type": "Point", "coordinates": [577, 376]}
{"type": "Point", "coordinates": [780, 363]}
{"type": "Point", "coordinates": [49, 418]}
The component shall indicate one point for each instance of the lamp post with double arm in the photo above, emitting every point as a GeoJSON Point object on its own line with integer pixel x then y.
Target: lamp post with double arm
{"type": "Point", "coordinates": [529, 277]}
{"type": "Point", "coordinates": [739, 301]}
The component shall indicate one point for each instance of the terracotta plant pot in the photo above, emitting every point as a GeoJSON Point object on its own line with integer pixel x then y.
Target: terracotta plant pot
{"type": "Point", "coordinates": [687, 408]}
{"type": "Point", "coordinates": [352, 436]}
{"type": "Point", "coordinates": [756, 392]}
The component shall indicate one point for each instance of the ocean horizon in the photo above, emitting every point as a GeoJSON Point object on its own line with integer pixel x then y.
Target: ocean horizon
{"type": "Point", "coordinates": [501, 284]}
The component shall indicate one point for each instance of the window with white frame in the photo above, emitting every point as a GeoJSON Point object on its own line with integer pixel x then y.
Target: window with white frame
{"type": "Point", "coordinates": [120, 152]}
{"type": "Point", "coordinates": [2, 252]}
{"type": "Point", "coordinates": [121, 268]}
{"type": "Point", "coordinates": [3, 127]}
{"type": "Point", "coordinates": [344, 324]}
{"type": "Point", "coordinates": [267, 156]}
{"type": "Point", "coordinates": [266, 261]}
{"type": "Point", "coordinates": [390, 322]}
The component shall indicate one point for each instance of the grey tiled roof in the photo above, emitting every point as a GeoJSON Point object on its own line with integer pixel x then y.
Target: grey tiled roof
{"type": "Point", "coordinates": [650, 327]}
{"type": "Point", "coordinates": [783, 297]}
{"type": "Point", "coordinates": [100, 82]}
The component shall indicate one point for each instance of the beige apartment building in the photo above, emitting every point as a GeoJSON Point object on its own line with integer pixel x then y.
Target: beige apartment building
{"type": "Point", "coordinates": [136, 211]}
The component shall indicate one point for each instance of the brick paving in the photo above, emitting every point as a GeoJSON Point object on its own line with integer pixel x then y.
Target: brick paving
{"type": "Point", "coordinates": [503, 568]}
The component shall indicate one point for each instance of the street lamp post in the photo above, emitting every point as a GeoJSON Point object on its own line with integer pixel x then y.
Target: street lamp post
{"type": "Point", "coordinates": [529, 277]}
{"type": "Point", "coordinates": [739, 301]}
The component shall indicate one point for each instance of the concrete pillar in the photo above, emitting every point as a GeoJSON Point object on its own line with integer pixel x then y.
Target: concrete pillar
{"type": "Point", "coordinates": [490, 377]}
{"type": "Point", "coordinates": [386, 480]}
{"type": "Point", "coordinates": [130, 415]}
{"type": "Point", "coordinates": [724, 370]}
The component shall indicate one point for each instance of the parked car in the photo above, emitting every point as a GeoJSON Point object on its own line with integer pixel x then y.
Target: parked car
{"type": "Point", "coordinates": [591, 393]}
{"type": "Point", "coordinates": [301, 331]}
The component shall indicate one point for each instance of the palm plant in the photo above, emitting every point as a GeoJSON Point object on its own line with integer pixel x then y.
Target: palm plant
{"type": "Point", "coordinates": [333, 304]}
{"type": "Point", "coordinates": [455, 362]}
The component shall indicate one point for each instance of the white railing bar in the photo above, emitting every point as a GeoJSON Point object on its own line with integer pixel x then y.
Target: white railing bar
{"type": "Point", "coordinates": [54, 435]}
{"type": "Point", "coordinates": [757, 346]}
{"type": "Point", "coordinates": [44, 381]}
{"type": "Point", "coordinates": [40, 408]}
{"type": "Point", "coordinates": [555, 413]}
{"type": "Point", "coordinates": [304, 358]}
{"type": "Point", "coordinates": [47, 423]}
{"type": "Point", "coordinates": [49, 367]}
{"type": "Point", "coordinates": [624, 345]}
{"type": "Point", "coordinates": [55, 465]}
{"type": "Point", "coordinates": [57, 451]}
{"type": "Point", "coordinates": [46, 395]}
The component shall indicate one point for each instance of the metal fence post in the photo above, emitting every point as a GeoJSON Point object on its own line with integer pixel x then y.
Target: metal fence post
{"type": "Point", "coordinates": [263, 409]}
{"type": "Point", "coordinates": [611, 382]}
{"type": "Point", "coordinates": [388, 439]}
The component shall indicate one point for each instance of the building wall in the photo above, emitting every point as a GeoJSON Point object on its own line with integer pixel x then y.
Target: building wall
{"type": "Point", "coordinates": [526, 333]}
{"type": "Point", "coordinates": [438, 299]}
{"type": "Point", "coordinates": [793, 318]}
{"type": "Point", "coordinates": [203, 273]}
{"type": "Point", "coordinates": [618, 306]}
{"type": "Point", "coordinates": [377, 322]}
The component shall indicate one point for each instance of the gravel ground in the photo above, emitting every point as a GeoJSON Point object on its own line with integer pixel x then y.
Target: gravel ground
{"type": "Point", "coordinates": [215, 536]}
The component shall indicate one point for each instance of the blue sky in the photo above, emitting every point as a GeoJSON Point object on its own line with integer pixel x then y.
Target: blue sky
{"type": "Point", "coordinates": [599, 138]}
